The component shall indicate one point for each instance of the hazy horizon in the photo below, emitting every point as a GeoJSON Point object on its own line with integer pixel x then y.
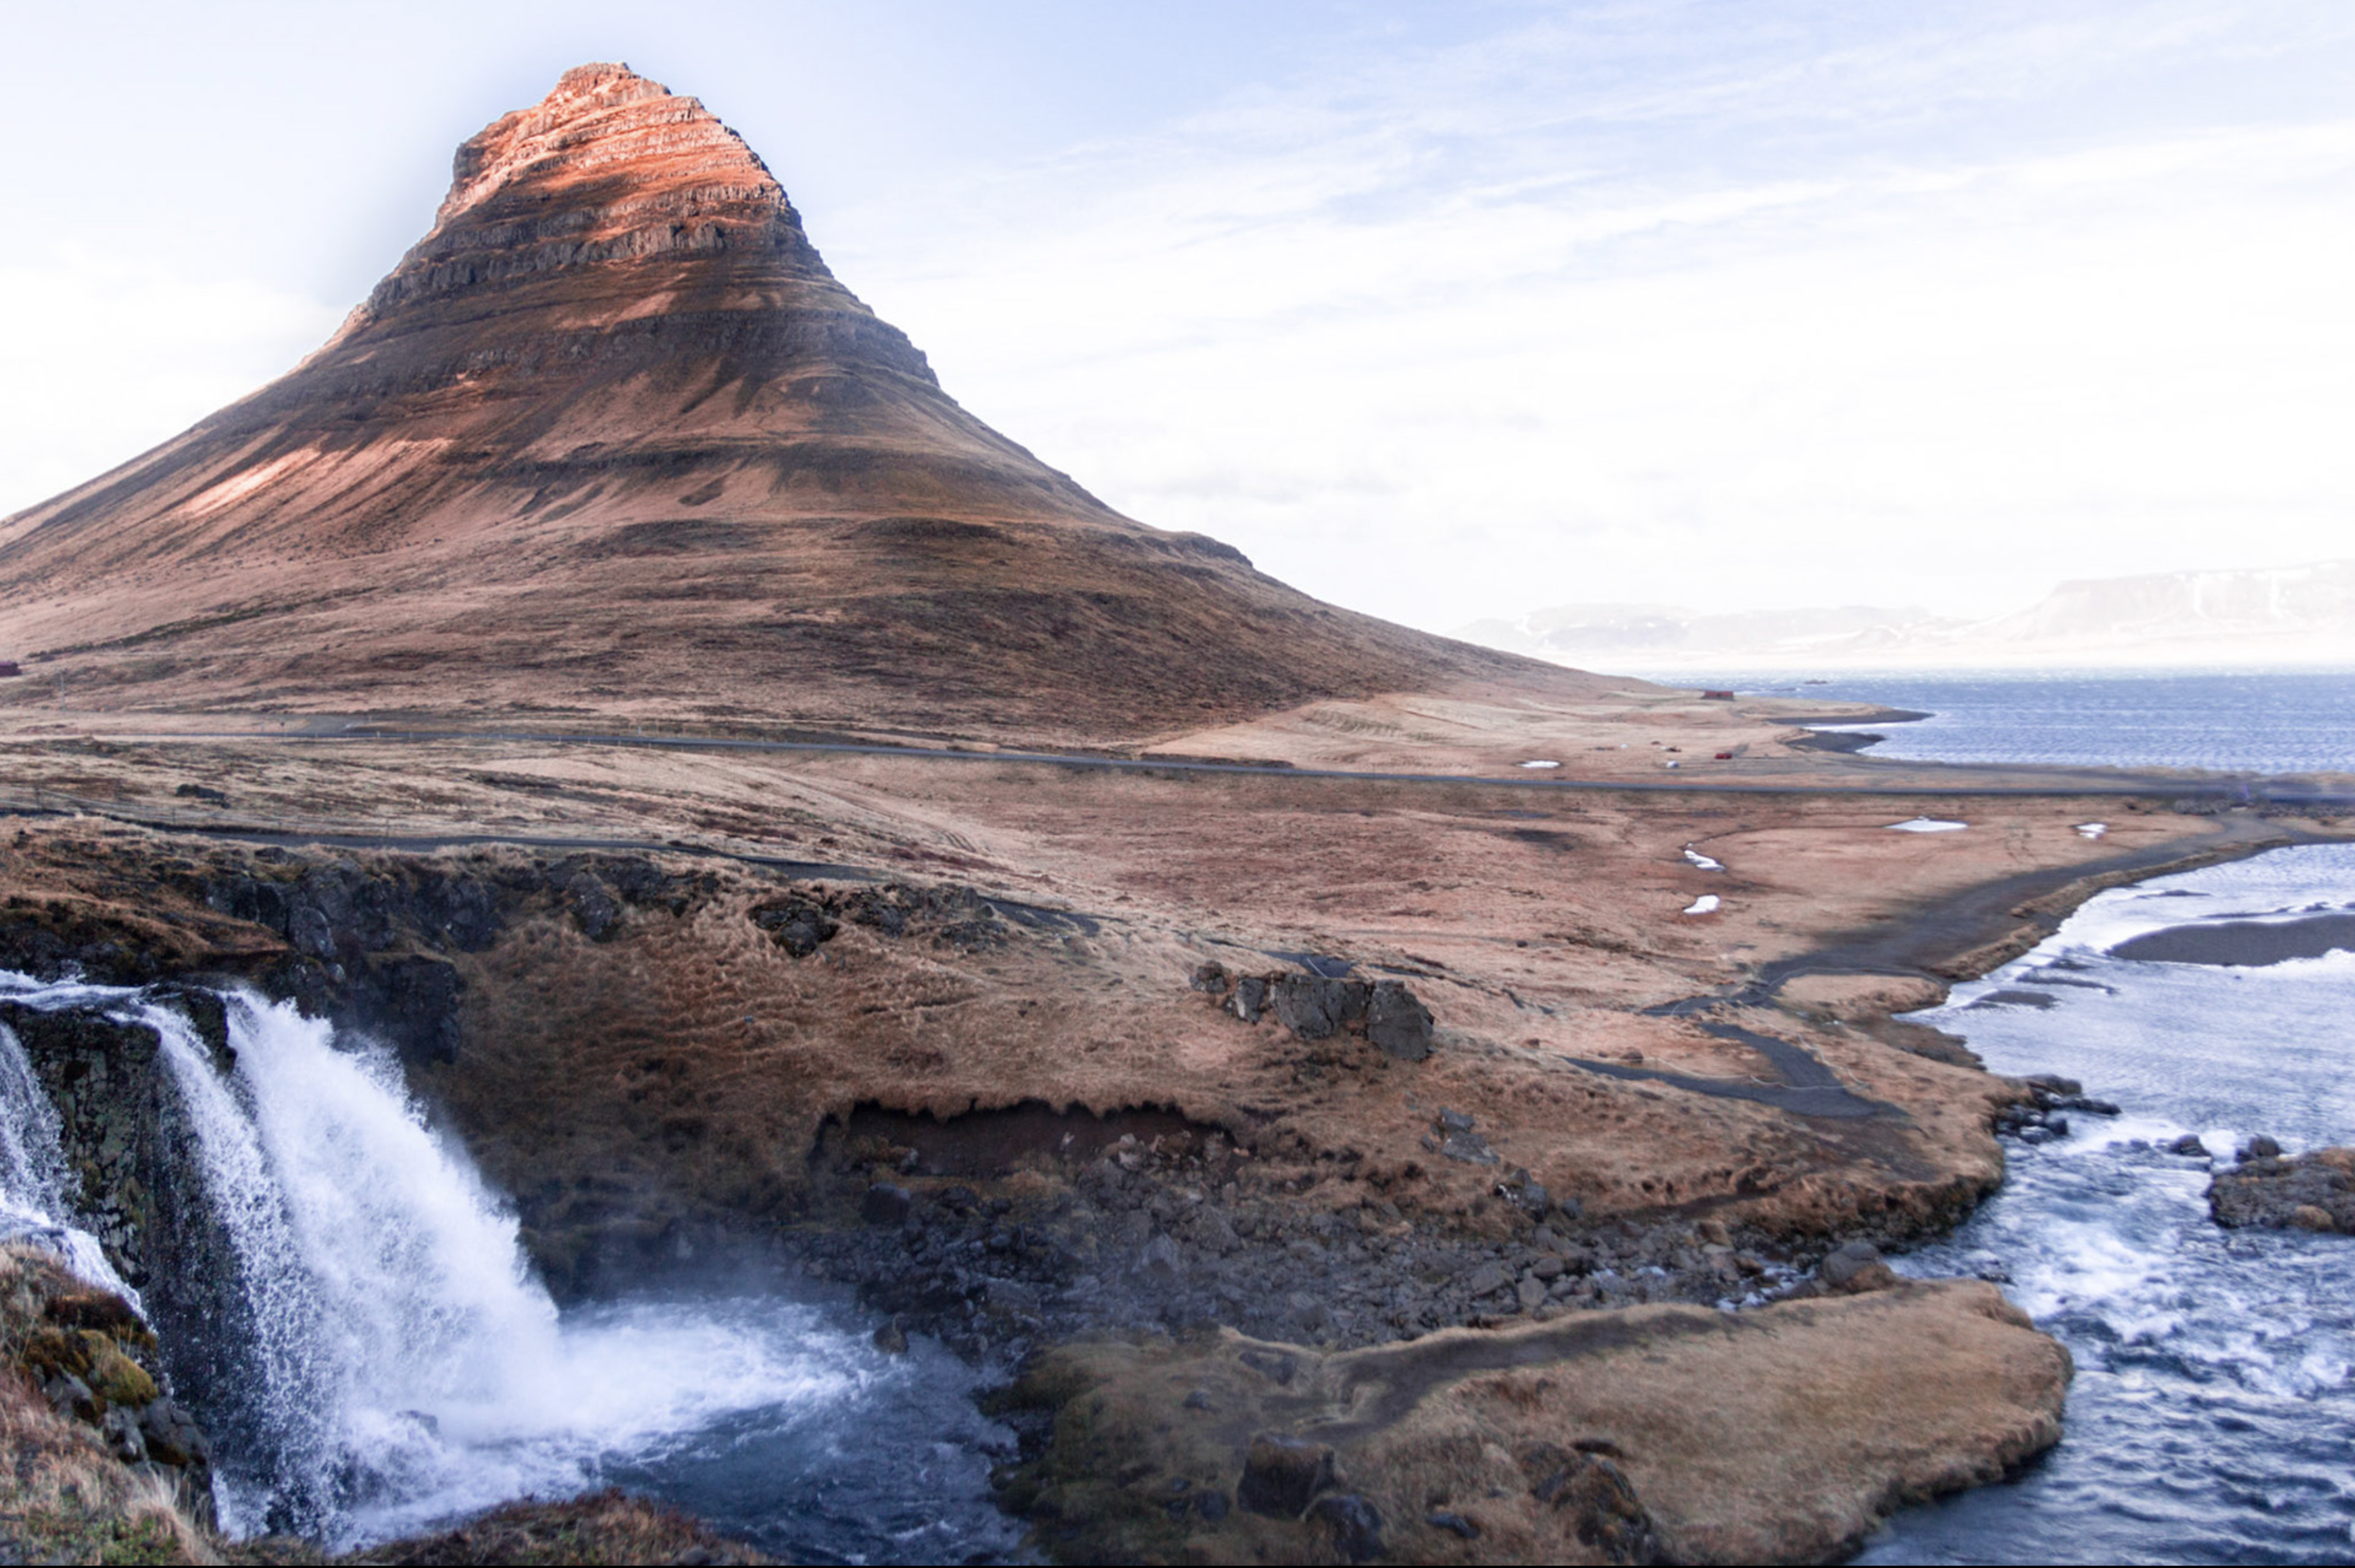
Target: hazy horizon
{"type": "Point", "coordinates": [1439, 312]}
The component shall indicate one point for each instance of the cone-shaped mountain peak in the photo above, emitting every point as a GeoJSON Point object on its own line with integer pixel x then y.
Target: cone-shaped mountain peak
{"type": "Point", "coordinates": [608, 171]}
{"type": "Point", "coordinates": [612, 439]}
{"type": "Point", "coordinates": [601, 119]}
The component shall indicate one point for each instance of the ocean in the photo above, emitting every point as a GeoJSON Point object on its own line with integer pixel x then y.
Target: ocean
{"type": "Point", "coordinates": [2291, 721]}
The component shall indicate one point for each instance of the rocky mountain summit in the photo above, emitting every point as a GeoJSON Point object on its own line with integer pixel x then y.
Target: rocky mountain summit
{"type": "Point", "coordinates": [612, 438]}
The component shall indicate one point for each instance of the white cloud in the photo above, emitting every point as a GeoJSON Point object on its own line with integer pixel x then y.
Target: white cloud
{"type": "Point", "coordinates": [1438, 341]}
{"type": "Point", "coordinates": [101, 358]}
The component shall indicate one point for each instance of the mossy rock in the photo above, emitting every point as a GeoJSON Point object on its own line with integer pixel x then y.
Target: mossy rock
{"type": "Point", "coordinates": [91, 1356]}
{"type": "Point", "coordinates": [118, 1380]}
{"type": "Point", "coordinates": [50, 1351]}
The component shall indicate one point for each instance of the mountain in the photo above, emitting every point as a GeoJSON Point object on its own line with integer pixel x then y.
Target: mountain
{"type": "Point", "coordinates": [2280, 615]}
{"type": "Point", "coordinates": [611, 439]}
{"type": "Point", "coordinates": [2273, 611]}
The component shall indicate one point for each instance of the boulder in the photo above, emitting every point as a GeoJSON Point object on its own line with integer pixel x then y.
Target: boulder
{"type": "Point", "coordinates": [1470, 1147]}
{"type": "Point", "coordinates": [797, 924]}
{"type": "Point", "coordinates": [1398, 1022]}
{"type": "Point", "coordinates": [1525, 1193]}
{"type": "Point", "coordinates": [71, 1397]}
{"type": "Point", "coordinates": [172, 1436]}
{"type": "Point", "coordinates": [593, 908]}
{"type": "Point", "coordinates": [1855, 1268]}
{"type": "Point", "coordinates": [1352, 1524]}
{"type": "Point", "coordinates": [119, 1428]}
{"type": "Point", "coordinates": [1283, 1473]}
{"type": "Point", "coordinates": [2313, 1191]}
{"type": "Point", "coordinates": [1315, 1008]}
{"type": "Point", "coordinates": [1606, 1514]}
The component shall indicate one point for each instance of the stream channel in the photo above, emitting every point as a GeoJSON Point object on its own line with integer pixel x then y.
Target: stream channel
{"type": "Point", "coordinates": [2212, 1418]}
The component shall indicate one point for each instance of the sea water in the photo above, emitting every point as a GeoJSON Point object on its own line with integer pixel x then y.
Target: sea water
{"type": "Point", "coordinates": [2295, 721]}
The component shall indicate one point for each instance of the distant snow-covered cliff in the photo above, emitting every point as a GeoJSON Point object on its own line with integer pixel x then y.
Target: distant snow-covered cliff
{"type": "Point", "coordinates": [2286, 615]}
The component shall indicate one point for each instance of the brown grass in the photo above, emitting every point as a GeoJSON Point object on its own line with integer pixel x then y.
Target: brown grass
{"type": "Point", "coordinates": [63, 1498]}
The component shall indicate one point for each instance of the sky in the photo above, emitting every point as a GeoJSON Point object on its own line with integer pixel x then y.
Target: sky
{"type": "Point", "coordinates": [1437, 311]}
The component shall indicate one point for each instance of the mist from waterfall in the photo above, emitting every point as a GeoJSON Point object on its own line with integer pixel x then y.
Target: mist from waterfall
{"type": "Point", "coordinates": [390, 1362]}
{"type": "Point", "coordinates": [410, 1366]}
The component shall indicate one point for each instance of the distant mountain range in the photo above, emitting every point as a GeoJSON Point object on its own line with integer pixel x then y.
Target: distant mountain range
{"type": "Point", "coordinates": [2280, 615]}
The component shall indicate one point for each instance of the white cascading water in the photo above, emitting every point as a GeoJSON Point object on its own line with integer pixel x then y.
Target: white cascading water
{"type": "Point", "coordinates": [410, 1366]}
{"type": "Point", "coordinates": [382, 1360]}
{"type": "Point", "coordinates": [36, 1187]}
{"type": "Point", "coordinates": [2214, 1401]}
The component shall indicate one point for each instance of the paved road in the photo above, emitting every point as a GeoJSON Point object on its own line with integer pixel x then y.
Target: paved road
{"type": "Point", "coordinates": [1955, 780]}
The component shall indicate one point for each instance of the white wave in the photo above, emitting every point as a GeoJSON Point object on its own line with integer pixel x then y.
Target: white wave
{"type": "Point", "coordinates": [1926, 825]}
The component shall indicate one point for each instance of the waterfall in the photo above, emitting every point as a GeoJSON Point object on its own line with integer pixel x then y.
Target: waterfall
{"type": "Point", "coordinates": [357, 1323]}
{"type": "Point", "coordinates": [384, 1286]}
{"type": "Point", "coordinates": [405, 1365]}
{"type": "Point", "coordinates": [36, 1189]}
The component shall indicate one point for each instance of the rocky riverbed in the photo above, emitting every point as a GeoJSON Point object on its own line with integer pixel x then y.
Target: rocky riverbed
{"type": "Point", "coordinates": [2310, 1191]}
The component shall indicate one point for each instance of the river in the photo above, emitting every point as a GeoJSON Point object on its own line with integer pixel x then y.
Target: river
{"type": "Point", "coordinates": [2212, 1418]}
